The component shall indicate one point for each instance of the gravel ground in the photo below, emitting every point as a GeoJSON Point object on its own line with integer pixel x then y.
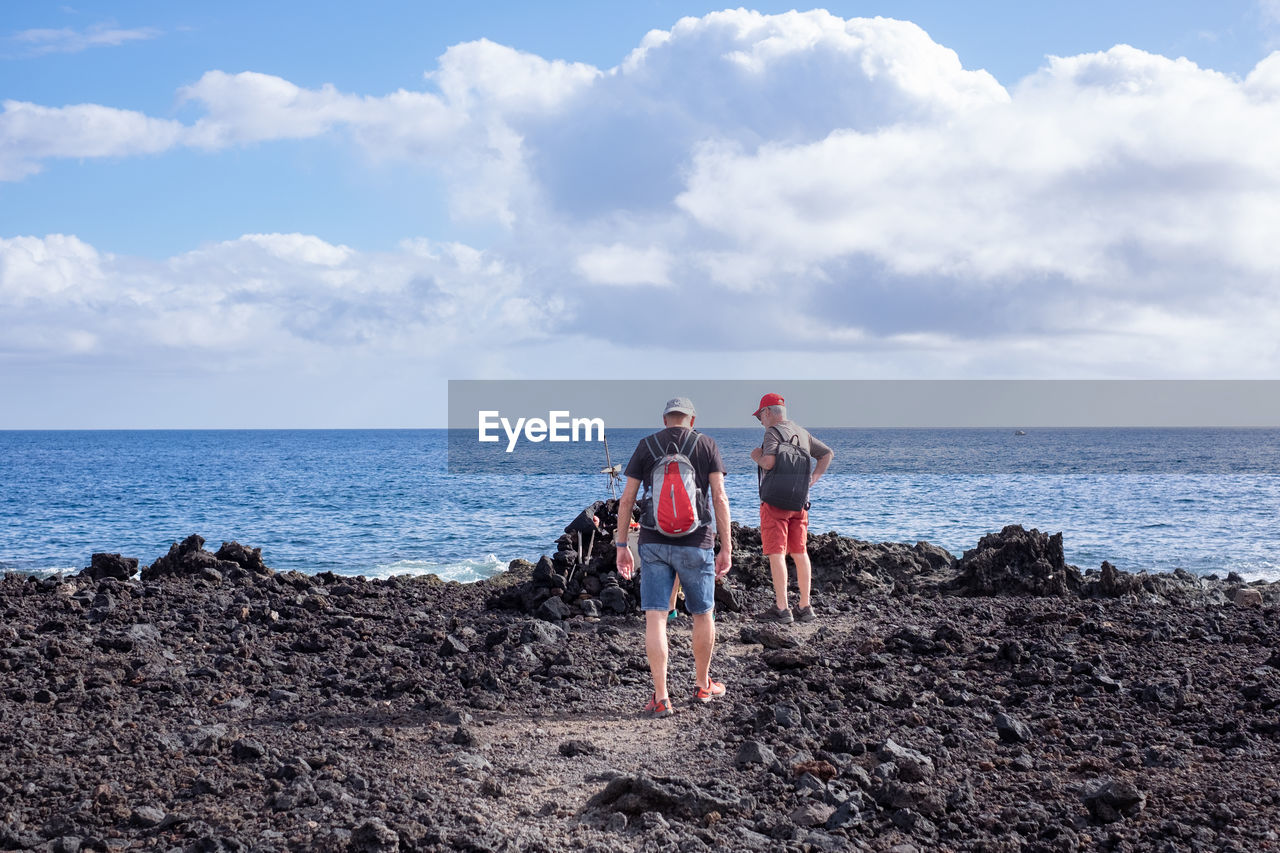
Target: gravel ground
{"type": "Point", "coordinates": [1004, 701]}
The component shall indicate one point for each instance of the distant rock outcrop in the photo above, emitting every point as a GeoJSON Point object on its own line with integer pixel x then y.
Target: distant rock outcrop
{"type": "Point", "coordinates": [1017, 561]}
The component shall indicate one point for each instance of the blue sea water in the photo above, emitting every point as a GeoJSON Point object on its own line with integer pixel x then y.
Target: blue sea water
{"type": "Point", "coordinates": [383, 502]}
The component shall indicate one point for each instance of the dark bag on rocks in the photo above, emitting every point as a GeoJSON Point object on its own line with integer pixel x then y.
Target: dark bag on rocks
{"type": "Point", "coordinates": [585, 523]}
{"type": "Point", "coordinates": [786, 486]}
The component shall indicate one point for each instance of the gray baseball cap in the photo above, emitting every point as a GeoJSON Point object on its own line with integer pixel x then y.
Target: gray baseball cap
{"type": "Point", "coordinates": [679, 404]}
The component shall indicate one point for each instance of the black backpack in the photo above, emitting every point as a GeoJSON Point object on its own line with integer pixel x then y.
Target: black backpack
{"type": "Point", "coordinates": [786, 485]}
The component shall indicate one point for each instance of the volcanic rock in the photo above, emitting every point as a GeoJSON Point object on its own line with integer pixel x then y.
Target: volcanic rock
{"type": "Point", "coordinates": [1012, 730]}
{"type": "Point", "coordinates": [110, 566]}
{"type": "Point", "coordinates": [1017, 561]}
{"type": "Point", "coordinates": [668, 795]}
{"type": "Point", "coordinates": [1109, 800]}
{"type": "Point", "coordinates": [1245, 597]}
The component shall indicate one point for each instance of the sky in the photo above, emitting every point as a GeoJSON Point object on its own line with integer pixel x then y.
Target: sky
{"type": "Point", "coordinates": [315, 215]}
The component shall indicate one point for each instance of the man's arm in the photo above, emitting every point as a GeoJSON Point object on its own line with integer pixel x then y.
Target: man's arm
{"type": "Point", "coordinates": [626, 564]}
{"type": "Point", "coordinates": [720, 499]}
{"type": "Point", "coordinates": [824, 462]}
{"type": "Point", "coordinates": [765, 462]}
{"type": "Point", "coordinates": [766, 459]}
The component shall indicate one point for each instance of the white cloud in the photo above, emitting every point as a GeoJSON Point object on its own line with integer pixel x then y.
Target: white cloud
{"type": "Point", "coordinates": [823, 184]}
{"type": "Point", "coordinates": [51, 269]}
{"type": "Point", "coordinates": [263, 296]}
{"type": "Point", "coordinates": [30, 133]}
{"type": "Point", "coordinates": [619, 264]}
{"type": "Point", "coordinates": [37, 42]}
{"type": "Point", "coordinates": [1101, 170]}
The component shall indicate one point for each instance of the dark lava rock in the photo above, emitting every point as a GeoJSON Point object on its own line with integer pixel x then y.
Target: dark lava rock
{"type": "Point", "coordinates": [754, 752]}
{"type": "Point", "coordinates": [768, 636]}
{"type": "Point", "coordinates": [247, 750]}
{"type": "Point", "coordinates": [1113, 583]}
{"type": "Point", "coordinates": [912, 764]}
{"type": "Point", "coordinates": [540, 633]}
{"type": "Point", "coordinates": [1109, 800]}
{"type": "Point", "coordinates": [812, 814]}
{"type": "Point", "coordinates": [1011, 729]}
{"type": "Point", "coordinates": [727, 598]}
{"type": "Point", "coordinates": [638, 794]}
{"type": "Point", "coordinates": [453, 645]}
{"type": "Point", "coordinates": [249, 559]}
{"type": "Point", "coordinates": [787, 715]}
{"type": "Point", "coordinates": [110, 566]}
{"type": "Point", "coordinates": [790, 658]}
{"type": "Point", "coordinates": [554, 610]}
{"type": "Point", "coordinates": [1017, 561]}
{"type": "Point", "coordinates": [576, 747]}
{"type": "Point", "coordinates": [846, 814]}
{"type": "Point", "coordinates": [374, 836]}
{"type": "Point", "coordinates": [616, 599]}
{"type": "Point", "coordinates": [146, 816]}
{"type": "Point", "coordinates": [543, 571]}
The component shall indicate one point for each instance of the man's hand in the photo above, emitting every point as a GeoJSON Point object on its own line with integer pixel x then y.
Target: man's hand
{"type": "Point", "coordinates": [627, 563]}
{"type": "Point", "coordinates": [756, 453]}
{"type": "Point", "coordinates": [724, 562]}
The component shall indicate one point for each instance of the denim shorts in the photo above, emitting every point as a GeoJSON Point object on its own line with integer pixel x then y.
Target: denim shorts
{"type": "Point", "coordinates": [661, 563]}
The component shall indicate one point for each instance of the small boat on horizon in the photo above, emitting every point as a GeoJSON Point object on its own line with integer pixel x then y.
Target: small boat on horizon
{"type": "Point", "coordinates": [1020, 432]}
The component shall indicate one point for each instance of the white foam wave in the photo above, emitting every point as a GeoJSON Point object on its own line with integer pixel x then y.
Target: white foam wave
{"type": "Point", "coordinates": [1259, 571]}
{"type": "Point", "coordinates": [464, 571]}
{"type": "Point", "coordinates": [51, 572]}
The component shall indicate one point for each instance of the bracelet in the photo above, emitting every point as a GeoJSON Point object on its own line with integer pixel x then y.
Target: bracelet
{"type": "Point", "coordinates": [619, 544]}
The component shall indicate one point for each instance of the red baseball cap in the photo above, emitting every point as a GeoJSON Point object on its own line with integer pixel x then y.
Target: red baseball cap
{"type": "Point", "coordinates": [768, 400]}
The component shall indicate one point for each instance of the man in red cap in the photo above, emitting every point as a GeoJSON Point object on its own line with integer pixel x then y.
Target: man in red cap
{"type": "Point", "coordinates": [786, 475]}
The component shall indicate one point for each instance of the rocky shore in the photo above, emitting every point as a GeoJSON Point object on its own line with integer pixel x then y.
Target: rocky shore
{"type": "Point", "coordinates": [1001, 701]}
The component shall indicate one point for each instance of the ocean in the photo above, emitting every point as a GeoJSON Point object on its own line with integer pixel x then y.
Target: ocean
{"type": "Point", "coordinates": [384, 502]}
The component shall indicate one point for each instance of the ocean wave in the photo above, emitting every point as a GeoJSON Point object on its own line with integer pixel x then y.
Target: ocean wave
{"type": "Point", "coordinates": [1257, 571]}
{"type": "Point", "coordinates": [51, 572]}
{"type": "Point", "coordinates": [464, 571]}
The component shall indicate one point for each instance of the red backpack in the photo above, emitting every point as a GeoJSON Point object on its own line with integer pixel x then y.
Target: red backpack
{"type": "Point", "coordinates": [673, 504]}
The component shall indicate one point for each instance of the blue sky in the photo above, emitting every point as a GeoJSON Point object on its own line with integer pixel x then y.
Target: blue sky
{"type": "Point", "coordinates": [326, 210]}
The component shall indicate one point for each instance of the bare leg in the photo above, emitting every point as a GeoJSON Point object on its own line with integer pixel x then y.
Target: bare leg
{"type": "Point", "coordinates": [704, 642]}
{"type": "Point", "coordinates": [675, 591]}
{"type": "Point", "coordinates": [804, 576]}
{"type": "Point", "coordinates": [778, 569]}
{"type": "Point", "coordinates": [655, 646]}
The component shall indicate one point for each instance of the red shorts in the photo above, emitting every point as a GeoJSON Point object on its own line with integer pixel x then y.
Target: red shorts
{"type": "Point", "coordinates": [783, 531]}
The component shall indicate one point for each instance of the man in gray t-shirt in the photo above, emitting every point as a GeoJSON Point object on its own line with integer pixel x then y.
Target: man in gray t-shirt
{"type": "Point", "coordinates": [785, 531]}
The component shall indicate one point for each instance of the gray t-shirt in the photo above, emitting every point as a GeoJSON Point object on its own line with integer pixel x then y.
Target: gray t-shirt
{"type": "Point", "coordinates": [808, 443]}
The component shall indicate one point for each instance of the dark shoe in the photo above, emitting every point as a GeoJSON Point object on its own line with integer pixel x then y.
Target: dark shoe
{"type": "Point", "coordinates": [776, 616]}
{"type": "Point", "coordinates": [804, 614]}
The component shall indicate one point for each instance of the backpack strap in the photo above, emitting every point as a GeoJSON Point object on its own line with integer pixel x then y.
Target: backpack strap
{"type": "Point", "coordinates": [689, 443]}
{"type": "Point", "coordinates": [650, 443]}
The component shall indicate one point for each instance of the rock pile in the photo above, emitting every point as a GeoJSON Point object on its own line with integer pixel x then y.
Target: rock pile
{"type": "Point", "coordinates": [1017, 562]}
